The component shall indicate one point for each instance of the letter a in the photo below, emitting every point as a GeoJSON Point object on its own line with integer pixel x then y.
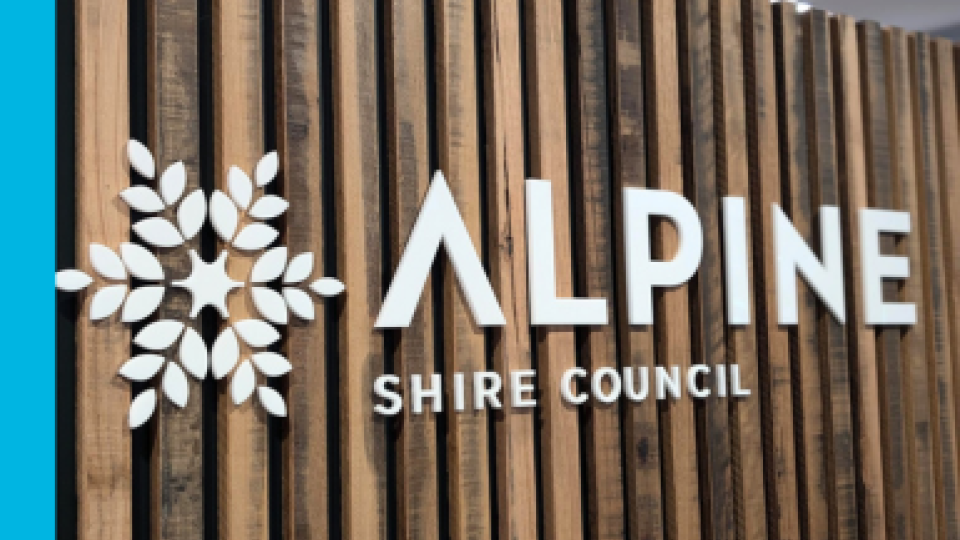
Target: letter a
{"type": "Point", "coordinates": [439, 222]}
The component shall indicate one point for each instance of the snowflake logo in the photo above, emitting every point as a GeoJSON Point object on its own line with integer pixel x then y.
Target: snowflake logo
{"type": "Point", "coordinates": [209, 284]}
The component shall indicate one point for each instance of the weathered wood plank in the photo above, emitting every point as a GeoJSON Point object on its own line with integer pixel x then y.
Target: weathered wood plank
{"type": "Point", "coordinates": [103, 398]}
{"type": "Point", "coordinates": [935, 292]}
{"type": "Point", "coordinates": [891, 376]}
{"type": "Point", "coordinates": [804, 345]}
{"type": "Point", "coordinates": [641, 431]}
{"type": "Point", "coordinates": [733, 179]}
{"type": "Point", "coordinates": [913, 351]}
{"type": "Point", "coordinates": [853, 194]}
{"type": "Point", "coordinates": [556, 346]}
{"type": "Point", "coordinates": [707, 327]}
{"type": "Point", "coordinates": [511, 347]}
{"type": "Point", "coordinates": [299, 138]}
{"type": "Point", "coordinates": [238, 131]}
{"type": "Point", "coordinates": [357, 178]}
{"type": "Point", "coordinates": [408, 144]}
{"type": "Point", "coordinates": [777, 384]}
{"type": "Point", "coordinates": [665, 152]}
{"type": "Point", "coordinates": [593, 254]}
{"type": "Point", "coordinates": [833, 345]}
{"type": "Point", "coordinates": [458, 121]}
{"type": "Point", "coordinates": [174, 135]}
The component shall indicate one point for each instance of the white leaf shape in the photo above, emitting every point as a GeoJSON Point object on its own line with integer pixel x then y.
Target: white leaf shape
{"type": "Point", "coordinates": [142, 368]}
{"type": "Point", "coordinates": [193, 354]}
{"type": "Point", "coordinates": [327, 286]}
{"type": "Point", "coordinates": [72, 280]}
{"type": "Point", "coordinates": [269, 207]}
{"type": "Point", "coordinates": [225, 353]}
{"type": "Point", "coordinates": [141, 159]}
{"type": "Point", "coordinates": [224, 215]}
{"type": "Point", "coordinates": [300, 303]}
{"type": "Point", "coordinates": [272, 401]}
{"type": "Point", "coordinates": [243, 383]}
{"type": "Point", "coordinates": [269, 266]}
{"type": "Point", "coordinates": [191, 214]}
{"type": "Point", "coordinates": [106, 262]}
{"type": "Point", "coordinates": [255, 236]}
{"type": "Point", "coordinates": [141, 303]}
{"type": "Point", "coordinates": [299, 269]}
{"type": "Point", "coordinates": [241, 188]}
{"type": "Point", "coordinates": [256, 333]}
{"type": "Point", "coordinates": [158, 232]}
{"type": "Point", "coordinates": [272, 364]}
{"type": "Point", "coordinates": [107, 301]}
{"type": "Point", "coordinates": [267, 169]}
{"type": "Point", "coordinates": [175, 385]}
{"type": "Point", "coordinates": [270, 304]}
{"type": "Point", "coordinates": [159, 336]}
{"type": "Point", "coordinates": [142, 408]}
{"type": "Point", "coordinates": [172, 182]}
{"type": "Point", "coordinates": [140, 262]}
{"type": "Point", "coordinates": [142, 199]}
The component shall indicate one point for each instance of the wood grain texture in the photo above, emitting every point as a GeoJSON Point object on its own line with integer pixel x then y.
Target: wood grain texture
{"type": "Point", "coordinates": [174, 135]}
{"type": "Point", "coordinates": [593, 254]}
{"type": "Point", "coordinates": [238, 130]}
{"type": "Point", "coordinates": [408, 166]}
{"type": "Point", "coordinates": [777, 384]}
{"type": "Point", "coordinates": [833, 344]}
{"type": "Point", "coordinates": [935, 293]}
{"type": "Point", "coordinates": [733, 179]}
{"type": "Point", "coordinates": [364, 435]}
{"type": "Point", "coordinates": [102, 172]}
{"type": "Point", "coordinates": [804, 344]}
{"type": "Point", "coordinates": [665, 154]}
{"type": "Point", "coordinates": [853, 194]}
{"type": "Point", "coordinates": [890, 370]}
{"type": "Point", "coordinates": [299, 138]}
{"type": "Point", "coordinates": [546, 102]}
{"type": "Point", "coordinates": [641, 431]}
{"type": "Point", "coordinates": [707, 325]}
{"type": "Point", "coordinates": [458, 126]}
{"type": "Point", "coordinates": [514, 468]}
{"type": "Point", "coordinates": [914, 353]}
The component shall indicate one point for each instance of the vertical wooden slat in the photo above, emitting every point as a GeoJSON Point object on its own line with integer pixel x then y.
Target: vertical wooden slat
{"type": "Point", "coordinates": [733, 179]}
{"type": "Point", "coordinates": [556, 347]}
{"type": "Point", "coordinates": [861, 339]}
{"type": "Point", "coordinates": [593, 254]}
{"type": "Point", "coordinates": [409, 173]}
{"type": "Point", "coordinates": [708, 342]}
{"type": "Point", "coordinates": [103, 398]}
{"type": "Point", "coordinates": [641, 430]}
{"type": "Point", "coordinates": [510, 344]}
{"type": "Point", "coordinates": [913, 351]}
{"type": "Point", "coordinates": [174, 135]}
{"type": "Point", "coordinates": [812, 472]}
{"type": "Point", "coordinates": [935, 293]}
{"type": "Point", "coordinates": [357, 177]}
{"type": "Point", "coordinates": [891, 376]}
{"type": "Point", "coordinates": [833, 346]}
{"type": "Point", "coordinates": [458, 129]}
{"type": "Point", "coordinates": [238, 131]}
{"type": "Point", "coordinates": [773, 343]}
{"type": "Point", "coordinates": [665, 152]}
{"type": "Point", "coordinates": [299, 137]}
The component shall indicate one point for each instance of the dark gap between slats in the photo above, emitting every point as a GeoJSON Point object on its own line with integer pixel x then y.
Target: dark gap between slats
{"type": "Point", "coordinates": [68, 304]}
{"type": "Point", "coordinates": [142, 440]}
{"type": "Point", "coordinates": [390, 426]}
{"type": "Point", "coordinates": [332, 308]}
{"type": "Point", "coordinates": [209, 321]}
